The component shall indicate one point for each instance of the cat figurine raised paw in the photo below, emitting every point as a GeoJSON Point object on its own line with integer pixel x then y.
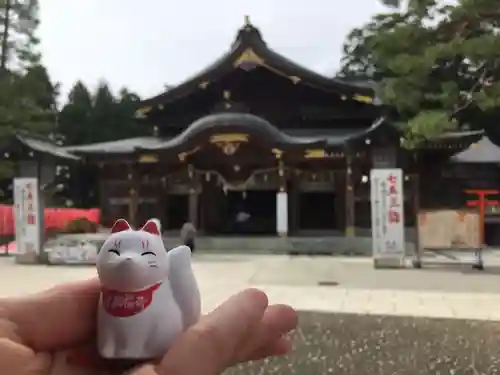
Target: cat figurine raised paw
{"type": "Point", "coordinates": [148, 295]}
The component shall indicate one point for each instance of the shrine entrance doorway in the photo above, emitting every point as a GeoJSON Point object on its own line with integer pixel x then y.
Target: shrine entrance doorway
{"type": "Point", "coordinates": [176, 212]}
{"type": "Point", "coordinates": [317, 211]}
{"type": "Point", "coordinates": [246, 212]}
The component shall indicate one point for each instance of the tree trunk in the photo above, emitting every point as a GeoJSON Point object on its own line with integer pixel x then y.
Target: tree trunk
{"type": "Point", "coordinates": [5, 37]}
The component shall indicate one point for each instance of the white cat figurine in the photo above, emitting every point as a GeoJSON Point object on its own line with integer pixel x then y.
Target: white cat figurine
{"type": "Point", "coordinates": [149, 296]}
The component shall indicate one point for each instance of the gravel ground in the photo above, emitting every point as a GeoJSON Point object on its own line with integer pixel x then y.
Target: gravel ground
{"type": "Point", "coordinates": [347, 344]}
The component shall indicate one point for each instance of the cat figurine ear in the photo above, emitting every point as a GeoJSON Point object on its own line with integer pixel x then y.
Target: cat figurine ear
{"type": "Point", "coordinates": [152, 226]}
{"type": "Point", "coordinates": [120, 225]}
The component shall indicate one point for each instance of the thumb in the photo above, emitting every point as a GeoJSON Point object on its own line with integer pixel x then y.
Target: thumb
{"type": "Point", "coordinates": [211, 345]}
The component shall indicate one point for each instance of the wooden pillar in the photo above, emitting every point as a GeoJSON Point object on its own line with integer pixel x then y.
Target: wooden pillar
{"type": "Point", "coordinates": [193, 206]}
{"type": "Point", "coordinates": [104, 205]}
{"type": "Point", "coordinates": [282, 224]}
{"type": "Point", "coordinates": [293, 204]}
{"type": "Point", "coordinates": [133, 194]}
{"type": "Point", "coordinates": [193, 197]}
{"type": "Point", "coordinates": [163, 201]}
{"type": "Point", "coordinates": [416, 205]}
{"type": "Point", "coordinates": [350, 220]}
{"type": "Point", "coordinates": [339, 200]}
{"type": "Point", "coordinates": [158, 195]}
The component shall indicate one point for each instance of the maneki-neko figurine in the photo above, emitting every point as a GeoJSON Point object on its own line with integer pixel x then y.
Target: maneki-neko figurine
{"type": "Point", "coordinates": [149, 296]}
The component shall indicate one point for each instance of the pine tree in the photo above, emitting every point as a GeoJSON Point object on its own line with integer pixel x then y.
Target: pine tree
{"type": "Point", "coordinates": [27, 95]}
{"type": "Point", "coordinates": [27, 102]}
{"type": "Point", "coordinates": [127, 124]}
{"type": "Point", "coordinates": [75, 116]}
{"type": "Point", "coordinates": [104, 123]}
{"type": "Point", "coordinates": [438, 64]}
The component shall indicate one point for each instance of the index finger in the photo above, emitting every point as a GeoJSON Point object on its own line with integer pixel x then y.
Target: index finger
{"type": "Point", "coordinates": [209, 346]}
{"type": "Point", "coordinates": [59, 317]}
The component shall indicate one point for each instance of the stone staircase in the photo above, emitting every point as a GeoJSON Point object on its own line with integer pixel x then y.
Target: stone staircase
{"type": "Point", "coordinates": [335, 245]}
{"type": "Point", "coordinates": [306, 245]}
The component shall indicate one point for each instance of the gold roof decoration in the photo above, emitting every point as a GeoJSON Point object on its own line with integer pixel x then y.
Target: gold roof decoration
{"type": "Point", "coordinates": [363, 99]}
{"type": "Point", "coordinates": [229, 137]}
{"type": "Point", "coordinates": [248, 56]}
{"type": "Point", "coordinates": [203, 85]}
{"type": "Point", "coordinates": [246, 21]}
{"type": "Point", "coordinates": [277, 153]}
{"type": "Point", "coordinates": [315, 154]}
{"type": "Point", "coordinates": [141, 112]}
{"type": "Point", "coordinates": [148, 159]}
{"type": "Point", "coordinates": [295, 79]}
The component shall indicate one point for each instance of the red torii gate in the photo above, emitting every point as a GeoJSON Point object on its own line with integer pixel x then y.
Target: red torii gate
{"type": "Point", "coordinates": [482, 202]}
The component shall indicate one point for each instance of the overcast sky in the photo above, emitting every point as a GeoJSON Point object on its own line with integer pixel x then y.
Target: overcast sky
{"type": "Point", "coordinates": [144, 44]}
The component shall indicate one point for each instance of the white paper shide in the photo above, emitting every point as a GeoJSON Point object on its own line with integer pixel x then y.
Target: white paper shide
{"type": "Point", "coordinates": [387, 206]}
{"type": "Point", "coordinates": [27, 215]}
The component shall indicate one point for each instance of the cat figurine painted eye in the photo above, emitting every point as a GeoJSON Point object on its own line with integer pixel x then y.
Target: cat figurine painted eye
{"type": "Point", "coordinates": [148, 295]}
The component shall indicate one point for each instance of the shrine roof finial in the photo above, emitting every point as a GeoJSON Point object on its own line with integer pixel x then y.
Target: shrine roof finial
{"type": "Point", "coordinates": [247, 20]}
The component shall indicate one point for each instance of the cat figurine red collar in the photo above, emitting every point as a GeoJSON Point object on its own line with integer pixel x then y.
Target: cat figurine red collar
{"type": "Point", "coordinates": [125, 304]}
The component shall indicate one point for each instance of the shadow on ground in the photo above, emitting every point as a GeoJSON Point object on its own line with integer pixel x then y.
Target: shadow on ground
{"type": "Point", "coordinates": [347, 344]}
{"type": "Point", "coordinates": [466, 269]}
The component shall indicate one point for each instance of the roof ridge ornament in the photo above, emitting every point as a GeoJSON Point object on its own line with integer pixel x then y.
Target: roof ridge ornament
{"type": "Point", "coordinates": [246, 21]}
{"type": "Point", "coordinates": [248, 60]}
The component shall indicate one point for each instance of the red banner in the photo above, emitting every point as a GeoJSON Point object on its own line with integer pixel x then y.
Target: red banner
{"type": "Point", "coordinates": [56, 218]}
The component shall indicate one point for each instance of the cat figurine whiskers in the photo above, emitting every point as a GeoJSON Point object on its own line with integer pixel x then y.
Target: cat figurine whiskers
{"type": "Point", "coordinates": [148, 295]}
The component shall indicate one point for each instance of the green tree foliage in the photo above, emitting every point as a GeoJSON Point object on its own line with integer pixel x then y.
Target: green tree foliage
{"type": "Point", "coordinates": [27, 102]}
{"type": "Point", "coordinates": [104, 114]}
{"type": "Point", "coordinates": [89, 118]}
{"type": "Point", "coordinates": [75, 117]}
{"type": "Point", "coordinates": [27, 95]}
{"type": "Point", "coordinates": [438, 64]}
{"type": "Point", "coordinates": [127, 125]}
{"type": "Point", "coordinates": [99, 117]}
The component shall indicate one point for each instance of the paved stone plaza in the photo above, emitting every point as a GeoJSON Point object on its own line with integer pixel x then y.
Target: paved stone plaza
{"type": "Point", "coordinates": [322, 284]}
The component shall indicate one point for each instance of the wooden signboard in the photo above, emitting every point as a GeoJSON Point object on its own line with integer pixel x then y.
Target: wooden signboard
{"type": "Point", "coordinates": [449, 229]}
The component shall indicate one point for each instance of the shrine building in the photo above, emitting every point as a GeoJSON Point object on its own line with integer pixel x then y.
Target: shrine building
{"type": "Point", "coordinates": [255, 144]}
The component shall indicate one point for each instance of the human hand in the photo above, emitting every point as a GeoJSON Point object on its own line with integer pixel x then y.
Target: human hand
{"type": "Point", "coordinates": [40, 335]}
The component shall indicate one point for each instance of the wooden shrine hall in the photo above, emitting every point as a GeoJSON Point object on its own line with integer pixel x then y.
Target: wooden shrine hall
{"type": "Point", "coordinates": [249, 128]}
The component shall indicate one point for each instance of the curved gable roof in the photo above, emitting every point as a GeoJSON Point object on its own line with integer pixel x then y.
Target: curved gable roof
{"type": "Point", "coordinates": [482, 152]}
{"type": "Point", "coordinates": [249, 48]}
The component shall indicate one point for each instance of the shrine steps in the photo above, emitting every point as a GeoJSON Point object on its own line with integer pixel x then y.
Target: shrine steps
{"type": "Point", "coordinates": [307, 244]}
{"type": "Point", "coordinates": [317, 245]}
